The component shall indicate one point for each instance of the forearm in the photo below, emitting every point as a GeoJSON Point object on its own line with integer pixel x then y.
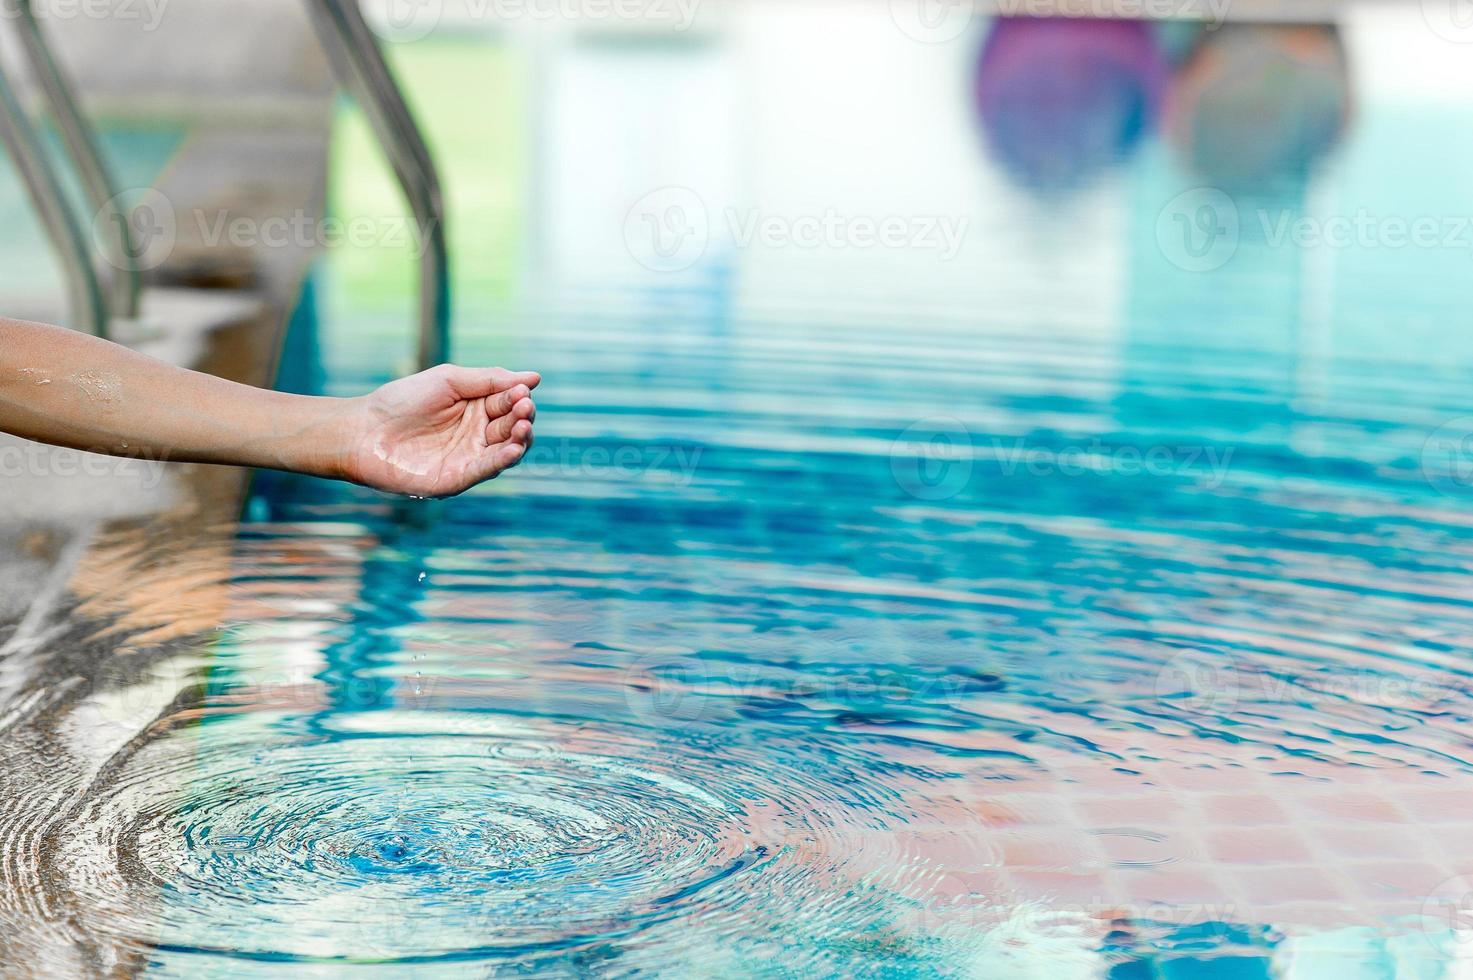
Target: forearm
{"type": "Point", "coordinates": [61, 387]}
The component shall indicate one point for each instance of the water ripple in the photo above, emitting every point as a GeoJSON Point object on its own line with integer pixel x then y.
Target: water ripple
{"type": "Point", "coordinates": [521, 840]}
{"type": "Point", "coordinates": [777, 696]}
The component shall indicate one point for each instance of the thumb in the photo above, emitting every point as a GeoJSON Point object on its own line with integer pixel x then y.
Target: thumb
{"type": "Point", "coordinates": [480, 382]}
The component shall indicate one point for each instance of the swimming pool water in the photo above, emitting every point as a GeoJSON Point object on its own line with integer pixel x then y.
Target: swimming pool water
{"type": "Point", "coordinates": [1072, 609]}
{"type": "Point", "coordinates": [761, 666]}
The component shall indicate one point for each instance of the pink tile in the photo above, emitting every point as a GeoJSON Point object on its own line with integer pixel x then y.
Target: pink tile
{"type": "Point", "coordinates": [1044, 851]}
{"type": "Point", "coordinates": [1033, 809]}
{"type": "Point", "coordinates": [1148, 808]}
{"type": "Point", "coordinates": [1098, 781]}
{"type": "Point", "coordinates": [1138, 847]}
{"type": "Point", "coordinates": [1267, 887]}
{"type": "Point", "coordinates": [1320, 916]}
{"type": "Point", "coordinates": [1369, 842]}
{"type": "Point", "coordinates": [1396, 879]}
{"type": "Point", "coordinates": [1180, 885]}
{"type": "Point", "coordinates": [1215, 779]}
{"type": "Point", "coordinates": [1454, 840]}
{"type": "Point", "coordinates": [1060, 888]}
{"type": "Point", "coordinates": [956, 886]}
{"type": "Point", "coordinates": [1356, 806]}
{"type": "Point", "coordinates": [1257, 845]}
{"type": "Point", "coordinates": [1242, 810]}
{"type": "Point", "coordinates": [1439, 806]}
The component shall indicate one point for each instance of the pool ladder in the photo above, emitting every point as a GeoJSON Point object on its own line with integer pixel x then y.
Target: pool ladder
{"type": "Point", "coordinates": [91, 308]}
{"type": "Point", "coordinates": [359, 64]}
{"type": "Point", "coordinates": [358, 61]}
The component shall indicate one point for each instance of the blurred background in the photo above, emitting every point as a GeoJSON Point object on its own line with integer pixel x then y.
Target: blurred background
{"type": "Point", "coordinates": [866, 160]}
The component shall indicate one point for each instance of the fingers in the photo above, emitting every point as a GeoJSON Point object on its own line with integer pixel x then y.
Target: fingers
{"type": "Point", "coordinates": [481, 382]}
{"type": "Point", "coordinates": [501, 404]}
{"type": "Point", "coordinates": [508, 437]}
{"type": "Point", "coordinates": [509, 455]}
{"type": "Point", "coordinates": [509, 408]}
{"type": "Point", "coordinates": [500, 427]}
{"type": "Point", "coordinates": [498, 459]}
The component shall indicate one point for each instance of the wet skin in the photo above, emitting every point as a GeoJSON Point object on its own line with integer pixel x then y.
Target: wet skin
{"type": "Point", "coordinates": [435, 434]}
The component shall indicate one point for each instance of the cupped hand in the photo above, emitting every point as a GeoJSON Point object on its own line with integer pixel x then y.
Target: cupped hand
{"type": "Point", "coordinates": [443, 431]}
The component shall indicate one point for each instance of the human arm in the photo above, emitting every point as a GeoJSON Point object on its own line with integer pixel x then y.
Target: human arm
{"type": "Point", "coordinates": [435, 434]}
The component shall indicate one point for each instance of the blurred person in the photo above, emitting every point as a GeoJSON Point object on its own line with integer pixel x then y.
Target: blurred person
{"type": "Point", "coordinates": [1257, 105]}
{"type": "Point", "coordinates": [436, 434]}
{"type": "Point", "coordinates": [1060, 99]}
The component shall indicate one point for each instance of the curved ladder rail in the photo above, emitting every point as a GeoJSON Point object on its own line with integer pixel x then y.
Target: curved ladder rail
{"type": "Point", "coordinates": [359, 64]}
{"type": "Point", "coordinates": [87, 306]}
{"type": "Point", "coordinates": [87, 159]}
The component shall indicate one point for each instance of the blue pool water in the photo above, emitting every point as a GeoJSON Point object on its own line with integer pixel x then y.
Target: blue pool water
{"type": "Point", "coordinates": [1093, 606]}
{"type": "Point", "coordinates": [761, 666]}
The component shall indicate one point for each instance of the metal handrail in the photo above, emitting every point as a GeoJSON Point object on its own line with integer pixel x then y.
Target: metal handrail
{"type": "Point", "coordinates": [86, 157]}
{"type": "Point", "coordinates": [87, 305]}
{"type": "Point", "coordinates": [359, 64]}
